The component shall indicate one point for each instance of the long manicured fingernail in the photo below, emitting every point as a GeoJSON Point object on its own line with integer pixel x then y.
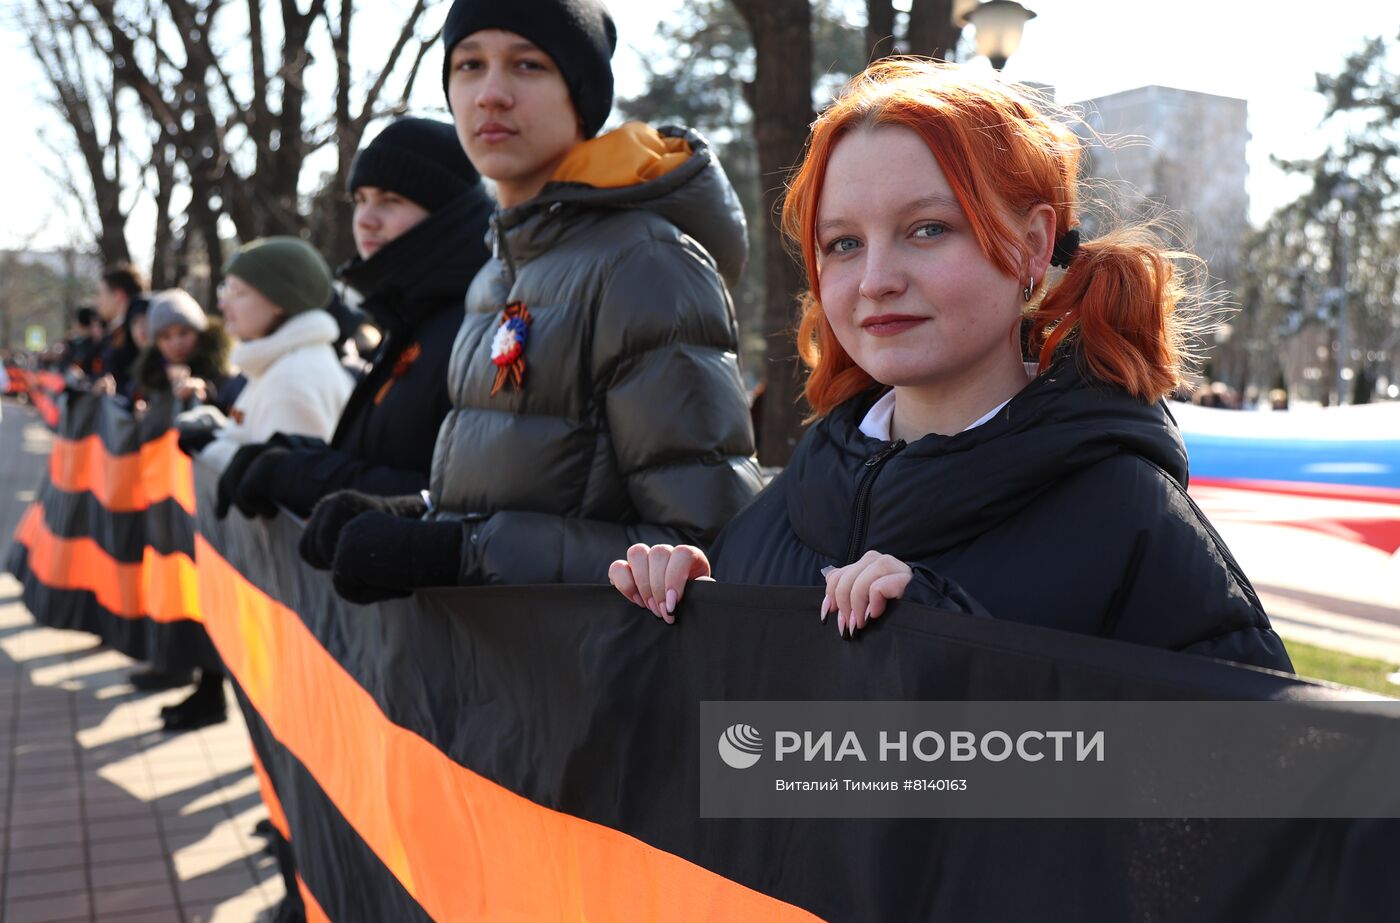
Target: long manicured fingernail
{"type": "Point", "coordinates": [651, 606]}
{"type": "Point", "coordinates": [826, 571]}
{"type": "Point", "coordinates": [670, 601]}
{"type": "Point", "coordinates": [637, 598]}
{"type": "Point", "coordinates": [826, 607]}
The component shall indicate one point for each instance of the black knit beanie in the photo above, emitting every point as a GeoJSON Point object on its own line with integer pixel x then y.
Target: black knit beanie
{"type": "Point", "coordinates": [420, 159]}
{"type": "Point", "coordinates": [578, 35]}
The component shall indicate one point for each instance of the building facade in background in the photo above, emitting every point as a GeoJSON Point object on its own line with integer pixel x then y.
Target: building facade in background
{"type": "Point", "coordinates": [1163, 148]}
{"type": "Point", "coordinates": [1183, 150]}
{"type": "Point", "coordinates": [42, 288]}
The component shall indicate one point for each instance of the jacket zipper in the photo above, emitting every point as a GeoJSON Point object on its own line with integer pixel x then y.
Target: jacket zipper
{"type": "Point", "coordinates": [499, 248]}
{"type": "Point", "coordinates": [860, 520]}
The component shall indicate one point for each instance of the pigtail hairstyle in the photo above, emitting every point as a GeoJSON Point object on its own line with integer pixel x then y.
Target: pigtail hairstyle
{"type": "Point", "coordinates": [1118, 300]}
{"type": "Point", "coordinates": [1003, 151]}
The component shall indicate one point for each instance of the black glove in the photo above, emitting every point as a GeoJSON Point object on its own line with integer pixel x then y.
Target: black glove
{"type": "Point", "coordinates": [260, 490]}
{"type": "Point", "coordinates": [233, 475]}
{"type": "Point", "coordinates": [297, 478]}
{"type": "Point", "coordinates": [382, 556]}
{"type": "Point", "coordinates": [318, 541]}
{"type": "Point", "coordinates": [279, 477]}
{"type": "Point", "coordinates": [193, 441]}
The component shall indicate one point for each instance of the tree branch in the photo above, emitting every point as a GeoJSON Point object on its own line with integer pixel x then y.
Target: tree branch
{"type": "Point", "coordinates": [405, 34]}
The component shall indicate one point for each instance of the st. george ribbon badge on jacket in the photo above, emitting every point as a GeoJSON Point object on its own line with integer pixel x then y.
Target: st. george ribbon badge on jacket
{"type": "Point", "coordinates": [508, 347]}
{"type": "Point", "coordinates": [401, 367]}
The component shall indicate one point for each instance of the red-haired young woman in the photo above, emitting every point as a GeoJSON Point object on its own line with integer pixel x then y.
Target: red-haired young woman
{"type": "Point", "coordinates": [942, 467]}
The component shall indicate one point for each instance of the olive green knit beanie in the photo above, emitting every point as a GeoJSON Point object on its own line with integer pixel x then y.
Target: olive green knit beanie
{"type": "Point", "coordinates": [287, 270]}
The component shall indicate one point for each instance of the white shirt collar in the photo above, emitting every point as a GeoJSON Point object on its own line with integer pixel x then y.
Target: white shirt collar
{"type": "Point", "coordinates": [879, 419]}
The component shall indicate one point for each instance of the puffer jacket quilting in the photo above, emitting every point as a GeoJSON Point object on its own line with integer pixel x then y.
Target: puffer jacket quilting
{"type": "Point", "coordinates": [632, 422]}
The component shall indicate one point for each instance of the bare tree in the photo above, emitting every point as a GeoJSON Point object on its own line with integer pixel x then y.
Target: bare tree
{"type": "Point", "coordinates": [79, 94]}
{"type": "Point", "coordinates": [231, 112]}
{"type": "Point", "coordinates": [175, 98]}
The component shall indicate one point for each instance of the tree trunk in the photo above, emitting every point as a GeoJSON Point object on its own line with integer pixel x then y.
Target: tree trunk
{"type": "Point", "coordinates": [931, 29]}
{"type": "Point", "coordinates": [879, 28]}
{"type": "Point", "coordinates": [781, 99]}
{"type": "Point", "coordinates": [162, 256]}
{"type": "Point", "coordinates": [204, 221]}
{"type": "Point", "coordinates": [338, 239]}
{"type": "Point", "coordinates": [111, 241]}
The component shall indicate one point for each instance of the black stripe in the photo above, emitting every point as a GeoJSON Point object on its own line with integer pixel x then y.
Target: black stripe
{"type": "Point", "coordinates": [164, 645]}
{"type": "Point", "coordinates": [85, 414]}
{"type": "Point", "coordinates": [164, 527]}
{"type": "Point", "coordinates": [341, 871]}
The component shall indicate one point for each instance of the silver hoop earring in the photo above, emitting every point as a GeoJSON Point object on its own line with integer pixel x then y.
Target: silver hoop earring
{"type": "Point", "coordinates": [1026, 292]}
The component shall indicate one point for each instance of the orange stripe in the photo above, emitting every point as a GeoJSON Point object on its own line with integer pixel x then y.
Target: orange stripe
{"type": "Point", "coordinates": [124, 483]}
{"type": "Point", "coordinates": [43, 403]}
{"type": "Point", "coordinates": [464, 847]}
{"type": "Point", "coordinates": [314, 913]}
{"type": "Point", "coordinates": [163, 588]}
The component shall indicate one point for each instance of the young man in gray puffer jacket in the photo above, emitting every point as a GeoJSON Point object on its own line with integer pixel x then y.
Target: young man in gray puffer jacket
{"type": "Point", "coordinates": [595, 386]}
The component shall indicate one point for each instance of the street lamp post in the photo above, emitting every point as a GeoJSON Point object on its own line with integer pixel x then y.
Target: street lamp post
{"type": "Point", "coordinates": [999, 24]}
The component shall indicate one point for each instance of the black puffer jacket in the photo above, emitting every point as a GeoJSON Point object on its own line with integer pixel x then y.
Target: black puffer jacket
{"type": "Point", "coordinates": [413, 290]}
{"type": "Point", "coordinates": [1067, 510]}
{"type": "Point", "coordinates": [631, 423]}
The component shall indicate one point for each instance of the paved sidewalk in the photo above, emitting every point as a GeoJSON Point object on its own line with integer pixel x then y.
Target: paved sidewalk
{"type": "Point", "coordinates": [102, 817]}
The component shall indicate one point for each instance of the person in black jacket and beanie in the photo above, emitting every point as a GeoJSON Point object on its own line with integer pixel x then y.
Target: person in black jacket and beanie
{"type": "Point", "coordinates": [420, 222]}
{"type": "Point", "coordinates": [942, 468]}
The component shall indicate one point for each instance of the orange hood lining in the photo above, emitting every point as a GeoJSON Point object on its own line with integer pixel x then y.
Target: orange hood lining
{"type": "Point", "coordinates": [632, 153]}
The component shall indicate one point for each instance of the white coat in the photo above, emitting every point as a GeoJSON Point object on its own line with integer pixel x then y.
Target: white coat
{"type": "Point", "coordinates": [296, 385]}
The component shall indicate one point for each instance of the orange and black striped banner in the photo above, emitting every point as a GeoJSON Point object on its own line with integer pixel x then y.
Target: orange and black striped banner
{"type": "Point", "coordinates": [43, 388]}
{"type": "Point", "coordinates": [17, 380]}
{"type": "Point", "coordinates": [512, 753]}
{"type": "Point", "coordinates": [107, 546]}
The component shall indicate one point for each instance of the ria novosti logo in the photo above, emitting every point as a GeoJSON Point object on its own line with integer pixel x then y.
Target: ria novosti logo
{"type": "Point", "coordinates": [740, 746]}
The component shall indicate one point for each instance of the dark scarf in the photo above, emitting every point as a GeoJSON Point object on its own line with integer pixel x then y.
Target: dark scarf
{"type": "Point", "coordinates": [427, 268]}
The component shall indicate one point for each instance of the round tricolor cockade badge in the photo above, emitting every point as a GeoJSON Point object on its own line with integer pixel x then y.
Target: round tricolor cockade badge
{"type": "Point", "coordinates": [508, 346]}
